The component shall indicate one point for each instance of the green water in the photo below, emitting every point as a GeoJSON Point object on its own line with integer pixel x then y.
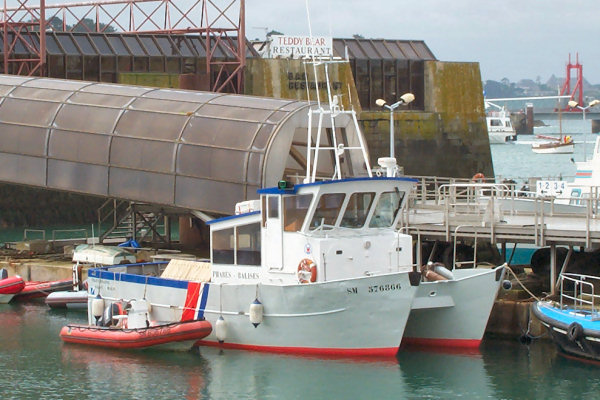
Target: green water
{"type": "Point", "coordinates": [34, 363]}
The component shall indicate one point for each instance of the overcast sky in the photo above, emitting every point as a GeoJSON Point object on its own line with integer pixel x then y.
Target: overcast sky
{"type": "Point", "coordinates": [512, 39]}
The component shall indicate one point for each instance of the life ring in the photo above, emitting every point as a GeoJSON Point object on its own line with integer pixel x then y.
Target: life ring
{"type": "Point", "coordinates": [478, 177]}
{"type": "Point", "coordinates": [307, 271]}
{"type": "Point", "coordinates": [574, 332]}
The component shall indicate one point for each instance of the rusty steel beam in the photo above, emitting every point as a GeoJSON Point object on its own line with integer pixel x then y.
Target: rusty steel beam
{"type": "Point", "coordinates": [220, 22]}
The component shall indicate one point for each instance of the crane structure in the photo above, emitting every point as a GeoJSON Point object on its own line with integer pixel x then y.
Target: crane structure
{"type": "Point", "coordinates": [578, 87]}
{"type": "Point", "coordinates": [221, 24]}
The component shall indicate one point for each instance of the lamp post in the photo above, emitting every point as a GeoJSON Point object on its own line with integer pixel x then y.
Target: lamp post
{"type": "Point", "coordinates": [404, 99]}
{"type": "Point", "coordinates": [574, 104]}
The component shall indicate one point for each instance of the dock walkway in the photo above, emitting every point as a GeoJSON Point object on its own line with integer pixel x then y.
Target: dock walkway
{"type": "Point", "coordinates": [459, 210]}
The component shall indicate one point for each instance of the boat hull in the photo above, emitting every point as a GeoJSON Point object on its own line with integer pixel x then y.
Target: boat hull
{"type": "Point", "coordinates": [6, 298]}
{"type": "Point", "coordinates": [68, 299]}
{"type": "Point", "coordinates": [11, 285]}
{"type": "Point", "coordinates": [183, 333]}
{"type": "Point", "coordinates": [582, 341]}
{"type": "Point", "coordinates": [453, 313]}
{"type": "Point", "coordinates": [362, 316]}
{"type": "Point", "coordinates": [553, 149]}
{"type": "Point", "coordinates": [34, 290]}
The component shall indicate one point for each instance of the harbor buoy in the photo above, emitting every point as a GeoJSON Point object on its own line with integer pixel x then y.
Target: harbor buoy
{"type": "Point", "coordinates": [97, 307]}
{"type": "Point", "coordinates": [256, 312]}
{"type": "Point", "coordinates": [221, 329]}
{"type": "Point", "coordinates": [307, 271]}
{"type": "Point", "coordinates": [506, 284]}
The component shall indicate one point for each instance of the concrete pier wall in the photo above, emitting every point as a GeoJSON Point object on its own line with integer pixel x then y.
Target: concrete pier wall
{"type": "Point", "coordinates": [447, 138]}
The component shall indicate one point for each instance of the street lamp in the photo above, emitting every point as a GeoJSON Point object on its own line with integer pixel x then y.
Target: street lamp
{"type": "Point", "coordinates": [404, 99]}
{"type": "Point", "coordinates": [574, 104]}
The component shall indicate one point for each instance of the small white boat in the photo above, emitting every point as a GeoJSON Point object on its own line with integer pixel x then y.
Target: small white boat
{"type": "Point", "coordinates": [68, 299]}
{"type": "Point", "coordinates": [103, 255]}
{"type": "Point", "coordinates": [554, 145]}
{"type": "Point", "coordinates": [499, 126]}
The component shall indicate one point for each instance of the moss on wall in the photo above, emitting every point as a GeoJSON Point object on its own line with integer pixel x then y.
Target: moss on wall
{"type": "Point", "coordinates": [448, 138]}
{"type": "Point", "coordinates": [286, 79]}
{"type": "Point", "coordinates": [149, 79]}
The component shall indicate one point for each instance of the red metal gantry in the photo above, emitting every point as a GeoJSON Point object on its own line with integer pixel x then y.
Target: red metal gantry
{"type": "Point", "coordinates": [578, 88]}
{"type": "Point", "coordinates": [221, 23]}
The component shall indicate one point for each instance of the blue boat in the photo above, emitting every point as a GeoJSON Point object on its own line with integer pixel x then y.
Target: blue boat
{"type": "Point", "coordinates": [574, 321]}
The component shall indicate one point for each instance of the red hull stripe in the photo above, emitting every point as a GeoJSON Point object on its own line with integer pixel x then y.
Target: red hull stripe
{"type": "Point", "coordinates": [368, 352]}
{"type": "Point", "coordinates": [462, 343]}
{"type": "Point", "coordinates": [191, 301]}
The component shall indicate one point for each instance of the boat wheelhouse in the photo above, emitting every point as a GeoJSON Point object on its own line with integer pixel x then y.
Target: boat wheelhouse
{"type": "Point", "coordinates": [346, 228]}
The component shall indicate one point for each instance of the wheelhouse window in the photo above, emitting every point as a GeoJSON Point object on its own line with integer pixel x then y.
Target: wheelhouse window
{"type": "Point", "coordinates": [270, 207]}
{"type": "Point", "coordinates": [294, 211]}
{"type": "Point", "coordinates": [248, 244]}
{"type": "Point", "coordinates": [357, 210]}
{"type": "Point", "coordinates": [328, 209]}
{"type": "Point", "coordinates": [239, 245]}
{"type": "Point", "coordinates": [222, 246]}
{"type": "Point", "coordinates": [386, 210]}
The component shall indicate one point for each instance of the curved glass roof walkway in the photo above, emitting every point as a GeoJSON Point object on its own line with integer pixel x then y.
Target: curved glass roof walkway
{"type": "Point", "coordinates": [189, 150]}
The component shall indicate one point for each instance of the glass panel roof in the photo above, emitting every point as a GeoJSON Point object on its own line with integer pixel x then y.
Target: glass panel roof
{"type": "Point", "coordinates": [84, 44]}
{"type": "Point", "coordinates": [149, 45]}
{"type": "Point", "coordinates": [101, 45]}
{"type": "Point", "coordinates": [178, 148]}
{"type": "Point", "coordinates": [133, 45]}
{"type": "Point", "coordinates": [117, 44]}
{"type": "Point", "coordinates": [67, 44]}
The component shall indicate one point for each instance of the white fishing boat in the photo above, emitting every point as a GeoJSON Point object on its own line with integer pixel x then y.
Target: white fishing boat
{"type": "Point", "coordinates": [454, 312]}
{"type": "Point", "coordinates": [313, 268]}
{"type": "Point", "coordinates": [294, 276]}
{"type": "Point", "coordinates": [499, 126]}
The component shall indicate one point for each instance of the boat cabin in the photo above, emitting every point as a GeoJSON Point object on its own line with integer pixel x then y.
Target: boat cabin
{"type": "Point", "coordinates": [325, 230]}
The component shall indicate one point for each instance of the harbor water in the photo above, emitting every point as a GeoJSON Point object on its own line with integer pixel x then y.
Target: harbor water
{"type": "Point", "coordinates": [36, 364]}
{"type": "Point", "coordinates": [517, 161]}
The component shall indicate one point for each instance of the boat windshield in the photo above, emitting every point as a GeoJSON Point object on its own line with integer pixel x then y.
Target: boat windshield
{"type": "Point", "coordinates": [294, 211]}
{"type": "Point", "coordinates": [357, 210]}
{"type": "Point", "coordinates": [328, 209]}
{"type": "Point", "coordinates": [386, 210]}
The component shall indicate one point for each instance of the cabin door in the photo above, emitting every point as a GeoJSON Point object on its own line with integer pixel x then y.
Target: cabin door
{"type": "Point", "coordinates": [273, 228]}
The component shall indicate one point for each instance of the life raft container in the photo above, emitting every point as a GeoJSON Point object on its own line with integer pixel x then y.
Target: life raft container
{"type": "Point", "coordinates": [307, 271]}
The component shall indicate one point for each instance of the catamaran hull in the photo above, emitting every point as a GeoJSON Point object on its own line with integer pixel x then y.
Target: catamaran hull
{"type": "Point", "coordinates": [453, 313]}
{"type": "Point", "coordinates": [573, 334]}
{"type": "Point", "coordinates": [356, 317]}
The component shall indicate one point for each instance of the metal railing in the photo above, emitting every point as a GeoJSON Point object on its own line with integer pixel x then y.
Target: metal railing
{"type": "Point", "coordinates": [462, 203]}
{"type": "Point", "coordinates": [582, 297]}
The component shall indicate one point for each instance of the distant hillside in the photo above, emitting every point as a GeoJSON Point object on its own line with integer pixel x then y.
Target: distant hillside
{"type": "Point", "coordinates": [529, 87]}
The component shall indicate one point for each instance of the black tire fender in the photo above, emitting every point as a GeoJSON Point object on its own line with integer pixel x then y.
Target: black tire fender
{"type": "Point", "coordinates": [574, 331]}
